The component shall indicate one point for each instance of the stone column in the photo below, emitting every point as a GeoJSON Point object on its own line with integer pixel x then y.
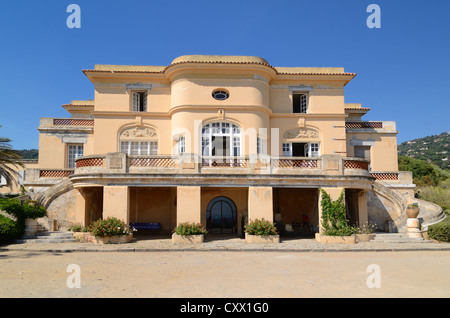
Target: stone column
{"type": "Point", "coordinates": [260, 203]}
{"type": "Point", "coordinates": [116, 202]}
{"type": "Point", "coordinates": [188, 204]}
{"type": "Point", "coordinates": [334, 194]}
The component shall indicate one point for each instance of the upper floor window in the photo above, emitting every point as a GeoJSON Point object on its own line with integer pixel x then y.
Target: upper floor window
{"type": "Point", "coordinates": [260, 146]}
{"type": "Point", "coordinates": [299, 103]}
{"type": "Point", "coordinates": [362, 152]}
{"type": "Point", "coordinates": [73, 152]}
{"type": "Point", "coordinates": [139, 102]}
{"type": "Point", "coordinates": [221, 139]}
{"type": "Point", "coordinates": [139, 141]}
{"type": "Point", "coordinates": [301, 149]}
{"type": "Point", "coordinates": [181, 145]}
{"type": "Point", "coordinates": [143, 148]}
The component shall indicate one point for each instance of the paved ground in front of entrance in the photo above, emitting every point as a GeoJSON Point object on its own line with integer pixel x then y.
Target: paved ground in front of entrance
{"type": "Point", "coordinates": [225, 243]}
{"type": "Point", "coordinates": [220, 274]}
{"type": "Point", "coordinates": [224, 268]}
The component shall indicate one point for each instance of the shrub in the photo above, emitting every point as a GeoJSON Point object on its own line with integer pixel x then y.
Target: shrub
{"type": "Point", "coordinates": [9, 229]}
{"type": "Point", "coordinates": [334, 221]}
{"type": "Point", "coordinates": [260, 227]}
{"type": "Point", "coordinates": [110, 226]}
{"type": "Point", "coordinates": [190, 229]}
{"type": "Point", "coordinates": [20, 212]}
{"type": "Point", "coordinates": [33, 211]}
{"type": "Point", "coordinates": [440, 231]}
{"type": "Point", "coordinates": [75, 228]}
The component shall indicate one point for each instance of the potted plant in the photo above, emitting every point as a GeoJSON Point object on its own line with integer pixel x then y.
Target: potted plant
{"type": "Point", "coordinates": [261, 231]}
{"type": "Point", "coordinates": [412, 210]}
{"type": "Point", "coordinates": [112, 230]}
{"type": "Point", "coordinates": [365, 233]}
{"type": "Point", "coordinates": [189, 233]}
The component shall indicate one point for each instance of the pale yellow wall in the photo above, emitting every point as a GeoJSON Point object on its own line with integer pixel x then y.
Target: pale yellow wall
{"type": "Point", "coordinates": [52, 152]}
{"type": "Point", "coordinates": [383, 153]}
{"type": "Point", "coordinates": [259, 98]}
{"type": "Point", "coordinates": [107, 130]}
{"type": "Point", "coordinates": [116, 98]}
{"type": "Point", "coordinates": [244, 92]}
{"type": "Point", "coordinates": [320, 101]}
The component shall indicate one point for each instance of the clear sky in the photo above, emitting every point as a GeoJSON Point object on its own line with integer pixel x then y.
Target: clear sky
{"type": "Point", "coordinates": [403, 67]}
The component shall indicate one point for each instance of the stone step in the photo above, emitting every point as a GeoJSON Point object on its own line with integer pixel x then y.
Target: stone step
{"type": "Point", "coordinates": [397, 238]}
{"type": "Point", "coordinates": [49, 237]}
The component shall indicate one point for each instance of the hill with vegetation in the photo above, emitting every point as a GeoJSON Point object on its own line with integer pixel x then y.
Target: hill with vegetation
{"type": "Point", "coordinates": [433, 149]}
{"type": "Point", "coordinates": [29, 153]}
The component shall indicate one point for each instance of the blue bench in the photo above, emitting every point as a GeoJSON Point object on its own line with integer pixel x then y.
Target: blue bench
{"type": "Point", "coordinates": [146, 226]}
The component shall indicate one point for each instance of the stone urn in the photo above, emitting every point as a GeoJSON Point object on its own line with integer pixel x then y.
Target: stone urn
{"type": "Point", "coordinates": [31, 227]}
{"type": "Point", "coordinates": [412, 211]}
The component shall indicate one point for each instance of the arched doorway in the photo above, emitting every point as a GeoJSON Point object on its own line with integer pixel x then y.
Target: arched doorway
{"type": "Point", "coordinates": [221, 216]}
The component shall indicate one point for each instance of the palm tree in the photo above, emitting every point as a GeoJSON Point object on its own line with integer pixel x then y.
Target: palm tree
{"type": "Point", "coordinates": [9, 159]}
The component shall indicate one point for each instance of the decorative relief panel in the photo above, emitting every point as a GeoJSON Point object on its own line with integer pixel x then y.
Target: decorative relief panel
{"type": "Point", "coordinates": [301, 133]}
{"type": "Point", "coordinates": [139, 133]}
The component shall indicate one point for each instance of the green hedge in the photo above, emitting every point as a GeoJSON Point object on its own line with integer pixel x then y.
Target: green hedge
{"type": "Point", "coordinates": [10, 229]}
{"type": "Point", "coordinates": [440, 231]}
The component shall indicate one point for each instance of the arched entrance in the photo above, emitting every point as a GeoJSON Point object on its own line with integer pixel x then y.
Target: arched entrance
{"type": "Point", "coordinates": [221, 216]}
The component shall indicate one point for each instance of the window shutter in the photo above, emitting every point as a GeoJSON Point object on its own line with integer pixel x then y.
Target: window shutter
{"type": "Point", "coordinates": [135, 102]}
{"type": "Point", "coordinates": [144, 108]}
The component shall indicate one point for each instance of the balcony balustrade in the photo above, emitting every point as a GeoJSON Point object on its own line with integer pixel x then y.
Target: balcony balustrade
{"type": "Point", "coordinates": [191, 163]}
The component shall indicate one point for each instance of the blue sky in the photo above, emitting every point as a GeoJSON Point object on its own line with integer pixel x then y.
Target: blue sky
{"type": "Point", "coordinates": [403, 68]}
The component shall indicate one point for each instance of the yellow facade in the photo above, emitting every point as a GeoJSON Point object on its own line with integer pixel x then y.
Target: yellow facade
{"type": "Point", "coordinates": [206, 127]}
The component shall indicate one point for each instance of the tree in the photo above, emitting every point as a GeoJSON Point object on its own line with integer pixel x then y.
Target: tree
{"type": "Point", "coordinates": [9, 159]}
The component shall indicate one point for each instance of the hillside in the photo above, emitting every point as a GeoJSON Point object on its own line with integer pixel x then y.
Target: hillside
{"type": "Point", "coordinates": [29, 153]}
{"type": "Point", "coordinates": [433, 149]}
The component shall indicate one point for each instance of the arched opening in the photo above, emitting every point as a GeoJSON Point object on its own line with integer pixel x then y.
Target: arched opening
{"type": "Point", "coordinates": [221, 216]}
{"type": "Point", "coordinates": [221, 139]}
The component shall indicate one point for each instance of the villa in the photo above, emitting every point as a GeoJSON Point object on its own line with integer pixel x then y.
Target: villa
{"type": "Point", "coordinates": [218, 140]}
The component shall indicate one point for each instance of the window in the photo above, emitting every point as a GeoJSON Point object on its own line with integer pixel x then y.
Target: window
{"type": "Point", "coordinates": [362, 152]}
{"type": "Point", "coordinates": [181, 145]}
{"type": "Point", "coordinates": [313, 150]}
{"type": "Point", "coordinates": [301, 149]}
{"type": "Point", "coordinates": [73, 152]}
{"type": "Point", "coordinates": [139, 101]}
{"type": "Point", "coordinates": [299, 103]}
{"type": "Point", "coordinates": [260, 146]}
{"type": "Point", "coordinates": [221, 139]}
{"type": "Point", "coordinates": [287, 150]}
{"type": "Point", "coordinates": [141, 148]}
{"type": "Point", "coordinates": [220, 94]}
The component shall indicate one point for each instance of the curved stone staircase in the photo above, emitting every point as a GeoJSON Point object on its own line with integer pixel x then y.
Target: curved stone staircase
{"type": "Point", "coordinates": [45, 196]}
{"type": "Point", "coordinates": [430, 213]}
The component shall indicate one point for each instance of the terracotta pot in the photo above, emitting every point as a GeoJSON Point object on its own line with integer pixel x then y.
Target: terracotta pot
{"type": "Point", "coordinates": [412, 212]}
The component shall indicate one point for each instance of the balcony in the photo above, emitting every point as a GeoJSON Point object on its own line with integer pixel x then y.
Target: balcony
{"type": "Point", "coordinates": [245, 165]}
{"type": "Point", "coordinates": [66, 124]}
{"type": "Point", "coordinates": [371, 126]}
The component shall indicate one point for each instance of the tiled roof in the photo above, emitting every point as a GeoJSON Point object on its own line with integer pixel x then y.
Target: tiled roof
{"type": "Point", "coordinates": [219, 59]}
